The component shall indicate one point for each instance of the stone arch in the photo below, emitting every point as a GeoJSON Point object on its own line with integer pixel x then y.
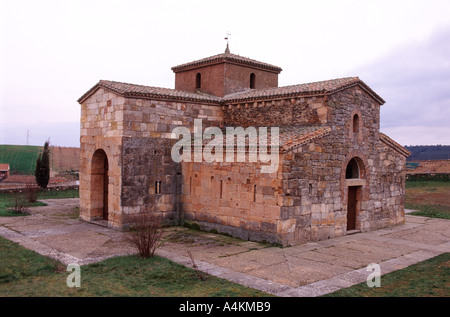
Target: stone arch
{"type": "Point", "coordinates": [355, 169]}
{"type": "Point", "coordinates": [355, 126]}
{"type": "Point", "coordinates": [355, 123]}
{"type": "Point", "coordinates": [361, 160]}
{"type": "Point", "coordinates": [99, 183]}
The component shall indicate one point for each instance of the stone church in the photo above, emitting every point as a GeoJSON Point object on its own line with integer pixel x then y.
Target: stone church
{"type": "Point", "coordinates": [336, 174]}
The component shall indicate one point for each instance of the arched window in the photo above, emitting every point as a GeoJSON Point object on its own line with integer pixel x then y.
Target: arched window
{"type": "Point", "coordinates": [252, 81]}
{"type": "Point", "coordinates": [355, 123]}
{"type": "Point", "coordinates": [198, 81]}
{"type": "Point", "coordinates": [352, 170]}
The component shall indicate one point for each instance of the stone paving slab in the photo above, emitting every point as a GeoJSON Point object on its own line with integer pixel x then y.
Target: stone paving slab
{"type": "Point", "coordinates": [311, 269]}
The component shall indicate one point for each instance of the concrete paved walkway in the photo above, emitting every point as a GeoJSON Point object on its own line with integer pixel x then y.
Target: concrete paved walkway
{"type": "Point", "coordinates": [310, 269]}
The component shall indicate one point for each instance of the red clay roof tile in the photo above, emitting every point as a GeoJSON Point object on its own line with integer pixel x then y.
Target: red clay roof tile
{"type": "Point", "coordinates": [309, 89]}
{"type": "Point", "coordinates": [315, 88]}
{"type": "Point", "coordinates": [226, 57]}
{"type": "Point", "coordinates": [388, 141]}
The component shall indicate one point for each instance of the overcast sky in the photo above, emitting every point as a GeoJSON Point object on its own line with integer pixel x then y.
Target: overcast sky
{"type": "Point", "coordinates": [52, 52]}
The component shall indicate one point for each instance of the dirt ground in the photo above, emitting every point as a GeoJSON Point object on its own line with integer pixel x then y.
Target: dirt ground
{"type": "Point", "coordinates": [21, 181]}
{"type": "Point", "coordinates": [435, 195]}
{"type": "Point", "coordinates": [434, 166]}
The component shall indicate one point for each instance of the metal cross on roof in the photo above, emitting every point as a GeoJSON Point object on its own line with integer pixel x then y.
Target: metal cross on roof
{"type": "Point", "coordinates": [227, 38]}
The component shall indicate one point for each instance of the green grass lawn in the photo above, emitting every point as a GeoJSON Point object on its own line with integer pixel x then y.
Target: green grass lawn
{"type": "Point", "coordinates": [7, 200]}
{"type": "Point", "coordinates": [430, 198]}
{"type": "Point", "coordinates": [26, 273]}
{"type": "Point", "coordinates": [430, 278]}
{"type": "Point", "coordinates": [58, 194]}
{"type": "Point", "coordinates": [21, 158]}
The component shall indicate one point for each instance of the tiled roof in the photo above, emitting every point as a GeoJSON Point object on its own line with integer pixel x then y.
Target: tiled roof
{"type": "Point", "coordinates": [388, 141]}
{"type": "Point", "coordinates": [290, 137]}
{"type": "Point", "coordinates": [295, 136]}
{"type": "Point", "coordinates": [226, 57]}
{"type": "Point", "coordinates": [139, 91]}
{"type": "Point", "coordinates": [316, 88]}
{"type": "Point", "coordinates": [4, 167]}
{"type": "Point", "coordinates": [310, 89]}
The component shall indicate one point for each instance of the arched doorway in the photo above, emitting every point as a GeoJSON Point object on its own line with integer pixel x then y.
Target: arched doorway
{"type": "Point", "coordinates": [99, 185]}
{"type": "Point", "coordinates": [353, 172]}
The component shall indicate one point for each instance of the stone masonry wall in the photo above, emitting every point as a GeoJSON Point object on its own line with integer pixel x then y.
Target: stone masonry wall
{"type": "Point", "coordinates": [237, 78]}
{"type": "Point", "coordinates": [314, 174]}
{"type": "Point", "coordinates": [293, 111]}
{"type": "Point", "coordinates": [101, 128]}
{"type": "Point", "coordinates": [234, 198]}
{"type": "Point", "coordinates": [136, 137]}
{"type": "Point", "coordinates": [387, 196]}
{"type": "Point", "coordinates": [212, 80]}
{"type": "Point", "coordinates": [157, 119]}
{"type": "Point", "coordinates": [147, 161]}
{"type": "Point", "coordinates": [224, 78]}
{"type": "Point", "coordinates": [151, 179]}
{"type": "Point", "coordinates": [305, 200]}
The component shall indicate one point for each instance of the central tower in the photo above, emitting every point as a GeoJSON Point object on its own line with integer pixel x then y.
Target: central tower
{"type": "Point", "coordinates": [225, 74]}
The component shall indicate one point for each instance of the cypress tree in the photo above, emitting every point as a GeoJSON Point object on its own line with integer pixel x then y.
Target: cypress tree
{"type": "Point", "coordinates": [42, 171]}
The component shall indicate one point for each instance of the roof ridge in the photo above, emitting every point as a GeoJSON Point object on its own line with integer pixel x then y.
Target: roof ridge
{"type": "Point", "coordinates": [396, 146]}
{"type": "Point", "coordinates": [307, 136]}
{"type": "Point", "coordinates": [227, 56]}
{"type": "Point", "coordinates": [318, 87]}
{"type": "Point", "coordinates": [139, 91]}
{"type": "Point", "coordinates": [307, 89]}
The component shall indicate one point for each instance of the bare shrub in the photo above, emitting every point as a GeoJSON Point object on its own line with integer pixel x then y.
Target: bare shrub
{"type": "Point", "coordinates": [146, 234]}
{"type": "Point", "coordinates": [19, 202]}
{"type": "Point", "coordinates": [31, 192]}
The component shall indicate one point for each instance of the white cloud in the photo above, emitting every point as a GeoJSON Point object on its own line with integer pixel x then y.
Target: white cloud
{"type": "Point", "coordinates": [414, 80]}
{"type": "Point", "coordinates": [418, 135]}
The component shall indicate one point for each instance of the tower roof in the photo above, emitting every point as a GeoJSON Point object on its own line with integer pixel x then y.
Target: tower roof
{"type": "Point", "coordinates": [226, 57]}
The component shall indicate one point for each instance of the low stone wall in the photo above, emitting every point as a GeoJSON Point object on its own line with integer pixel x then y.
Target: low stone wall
{"type": "Point", "coordinates": [428, 177]}
{"type": "Point", "coordinates": [21, 188]}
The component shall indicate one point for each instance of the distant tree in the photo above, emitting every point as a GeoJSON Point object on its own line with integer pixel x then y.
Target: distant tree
{"type": "Point", "coordinates": [42, 172]}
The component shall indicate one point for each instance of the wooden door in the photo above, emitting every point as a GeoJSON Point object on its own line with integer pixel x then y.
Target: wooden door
{"type": "Point", "coordinates": [105, 190]}
{"type": "Point", "coordinates": [351, 207]}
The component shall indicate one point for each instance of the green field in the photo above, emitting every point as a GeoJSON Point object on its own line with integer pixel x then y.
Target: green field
{"type": "Point", "coordinates": [21, 158]}
{"type": "Point", "coordinates": [429, 198]}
